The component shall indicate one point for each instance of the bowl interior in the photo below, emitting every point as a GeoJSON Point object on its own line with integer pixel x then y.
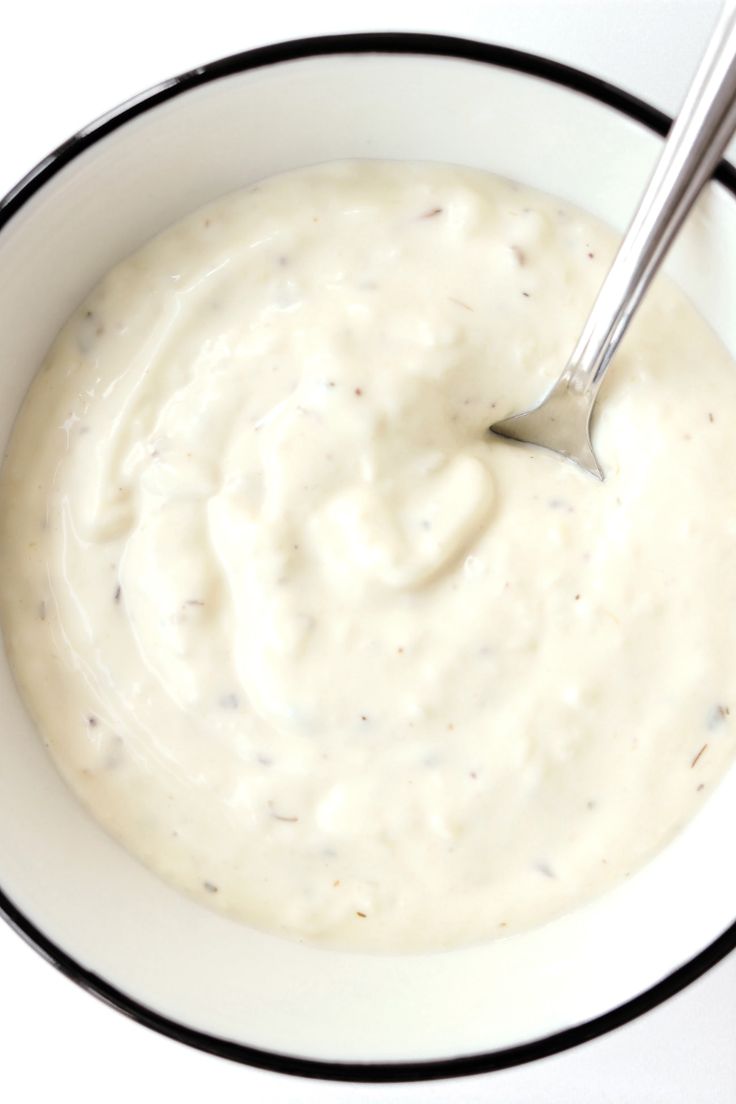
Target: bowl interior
{"type": "Point", "coordinates": [75, 884]}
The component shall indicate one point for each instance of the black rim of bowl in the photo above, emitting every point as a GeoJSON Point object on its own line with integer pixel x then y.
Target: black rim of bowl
{"type": "Point", "coordinates": [386, 43]}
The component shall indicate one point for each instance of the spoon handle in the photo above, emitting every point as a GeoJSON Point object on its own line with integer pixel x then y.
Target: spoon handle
{"type": "Point", "coordinates": [691, 153]}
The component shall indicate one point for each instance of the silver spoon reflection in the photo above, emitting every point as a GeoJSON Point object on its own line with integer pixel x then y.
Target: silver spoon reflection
{"type": "Point", "coordinates": [561, 421]}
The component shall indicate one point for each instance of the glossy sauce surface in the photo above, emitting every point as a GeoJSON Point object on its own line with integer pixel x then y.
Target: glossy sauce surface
{"type": "Point", "coordinates": [301, 634]}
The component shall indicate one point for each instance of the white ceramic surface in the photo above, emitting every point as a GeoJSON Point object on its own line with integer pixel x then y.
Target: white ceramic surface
{"type": "Point", "coordinates": [79, 888]}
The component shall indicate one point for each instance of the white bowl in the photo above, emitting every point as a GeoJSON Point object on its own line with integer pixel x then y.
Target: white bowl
{"type": "Point", "coordinates": [74, 893]}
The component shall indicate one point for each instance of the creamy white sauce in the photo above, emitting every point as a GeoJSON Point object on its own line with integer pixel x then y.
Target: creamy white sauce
{"type": "Point", "coordinates": [301, 634]}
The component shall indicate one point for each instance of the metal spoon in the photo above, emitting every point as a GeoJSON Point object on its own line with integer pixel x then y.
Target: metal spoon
{"type": "Point", "coordinates": [561, 421]}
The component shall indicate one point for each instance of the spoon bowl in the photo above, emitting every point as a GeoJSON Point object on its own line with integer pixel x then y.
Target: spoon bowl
{"type": "Point", "coordinates": [561, 422]}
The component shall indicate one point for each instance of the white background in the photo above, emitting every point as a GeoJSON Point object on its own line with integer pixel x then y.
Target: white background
{"type": "Point", "coordinates": [61, 64]}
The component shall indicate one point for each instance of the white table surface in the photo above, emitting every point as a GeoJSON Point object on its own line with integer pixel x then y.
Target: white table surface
{"type": "Point", "coordinates": [62, 62]}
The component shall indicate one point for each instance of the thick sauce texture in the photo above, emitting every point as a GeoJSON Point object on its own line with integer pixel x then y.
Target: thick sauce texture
{"type": "Point", "coordinates": [310, 642]}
